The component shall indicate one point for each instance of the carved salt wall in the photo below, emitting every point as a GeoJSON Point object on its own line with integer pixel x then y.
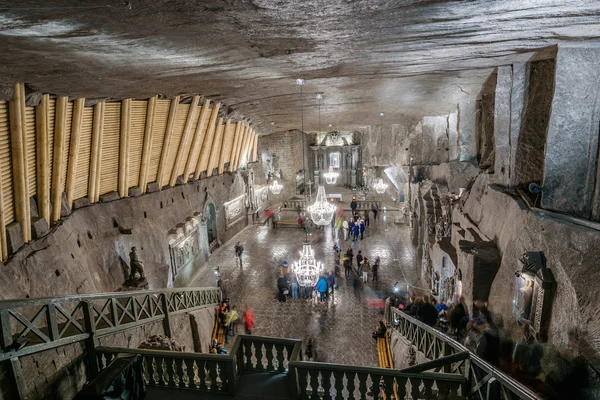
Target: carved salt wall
{"type": "Point", "coordinates": [234, 211]}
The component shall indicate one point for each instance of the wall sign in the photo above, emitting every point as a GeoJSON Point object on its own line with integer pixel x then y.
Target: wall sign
{"type": "Point", "coordinates": [234, 211]}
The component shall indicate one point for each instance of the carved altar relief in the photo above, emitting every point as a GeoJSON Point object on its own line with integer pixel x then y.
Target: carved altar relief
{"type": "Point", "coordinates": [234, 211]}
{"type": "Point", "coordinates": [184, 246]}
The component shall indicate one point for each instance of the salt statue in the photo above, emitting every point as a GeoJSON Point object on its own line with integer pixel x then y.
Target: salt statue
{"type": "Point", "coordinates": [135, 265]}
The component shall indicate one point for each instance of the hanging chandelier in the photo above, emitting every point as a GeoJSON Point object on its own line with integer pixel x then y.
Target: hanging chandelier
{"type": "Point", "coordinates": [380, 187]}
{"type": "Point", "coordinates": [331, 176]}
{"type": "Point", "coordinates": [307, 269]}
{"type": "Point", "coordinates": [275, 187]}
{"type": "Point", "coordinates": [321, 212]}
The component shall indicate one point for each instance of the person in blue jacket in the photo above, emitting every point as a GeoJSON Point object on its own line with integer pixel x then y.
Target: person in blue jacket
{"type": "Point", "coordinates": [355, 232]}
{"type": "Point", "coordinates": [322, 287]}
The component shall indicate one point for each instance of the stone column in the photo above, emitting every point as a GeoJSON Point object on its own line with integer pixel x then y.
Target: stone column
{"type": "Point", "coordinates": [519, 91]}
{"type": "Point", "coordinates": [502, 126]}
{"type": "Point", "coordinates": [453, 136]}
{"type": "Point", "coordinates": [570, 170]}
{"type": "Point", "coordinates": [354, 164]}
{"type": "Point", "coordinates": [315, 150]}
{"type": "Point", "coordinates": [467, 131]}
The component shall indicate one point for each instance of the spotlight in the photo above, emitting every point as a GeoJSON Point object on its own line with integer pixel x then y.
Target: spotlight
{"type": "Point", "coordinates": [319, 96]}
{"type": "Point", "coordinates": [381, 114]}
{"type": "Point", "coordinates": [396, 288]}
{"type": "Point", "coordinates": [217, 271]}
{"type": "Point", "coordinates": [330, 125]}
{"type": "Point", "coordinates": [300, 81]}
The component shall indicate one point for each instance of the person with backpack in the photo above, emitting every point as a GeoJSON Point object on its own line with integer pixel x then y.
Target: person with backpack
{"type": "Point", "coordinates": [375, 269]}
{"type": "Point", "coordinates": [366, 268]}
{"type": "Point", "coordinates": [239, 251]}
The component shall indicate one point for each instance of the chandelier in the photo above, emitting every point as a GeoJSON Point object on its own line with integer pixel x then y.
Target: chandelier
{"type": "Point", "coordinates": [275, 187]}
{"type": "Point", "coordinates": [321, 212]}
{"type": "Point", "coordinates": [307, 269]}
{"type": "Point", "coordinates": [331, 176]}
{"type": "Point", "coordinates": [380, 187]}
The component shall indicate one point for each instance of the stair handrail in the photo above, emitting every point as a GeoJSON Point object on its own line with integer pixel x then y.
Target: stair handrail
{"type": "Point", "coordinates": [493, 374]}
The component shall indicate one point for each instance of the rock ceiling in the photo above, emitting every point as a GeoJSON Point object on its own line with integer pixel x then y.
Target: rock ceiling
{"type": "Point", "coordinates": [404, 57]}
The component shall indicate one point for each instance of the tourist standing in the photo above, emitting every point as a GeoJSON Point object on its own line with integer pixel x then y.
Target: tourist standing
{"type": "Point", "coordinates": [322, 287]}
{"type": "Point", "coordinates": [375, 269]}
{"type": "Point", "coordinates": [366, 268]}
{"type": "Point", "coordinates": [361, 228]}
{"type": "Point", "coordinates": [239, 251]}
{"type": "Point", "coordinates": [345, 229]}
{"type": "Point", "coordinates": [248, 320]}
{"type": "Point", "coordinates": [282, 287]}
{"type": "Point", "coordinates": [359, 260]}
{"type": "Point", "coordinates": [347, 266]}
{"type": "Point", "coordinates": [355, 232]}
{"type": "Point", "coordinates": [353, 205]}
{"type": "Point", "coordinates": [367, 218]}
{"type": "Point", "coordinates": [375, 209]}
{"type": "Point", "coordinates": [294, 283]}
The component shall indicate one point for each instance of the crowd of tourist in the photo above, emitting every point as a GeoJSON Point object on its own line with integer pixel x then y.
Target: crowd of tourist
{"type": "Point", "coordinates": [482, 332]}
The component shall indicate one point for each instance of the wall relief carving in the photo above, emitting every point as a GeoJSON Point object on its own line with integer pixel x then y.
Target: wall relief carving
{"type": "Point", "coordinates": [234, 211]}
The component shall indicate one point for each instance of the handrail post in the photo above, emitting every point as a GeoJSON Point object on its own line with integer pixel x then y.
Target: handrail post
{"type": "Point", "coordinates": [91, 341]}
{"type": "Point", "coordinates": [5, 333]}
{"type": "Point", "coordinates": [166, 321]}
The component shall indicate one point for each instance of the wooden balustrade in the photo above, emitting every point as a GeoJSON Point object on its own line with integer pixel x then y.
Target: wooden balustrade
{"type": "Point", "coordinates": [484, 381]}
{"type": "Point", "coordinates": [333, 381]}
{"type": "Point", "coordinates": [47, 323]}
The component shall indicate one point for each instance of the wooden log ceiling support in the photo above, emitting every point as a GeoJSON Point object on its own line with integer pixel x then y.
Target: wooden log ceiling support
{"type": "Point", "coordinates": [124, 148]}
{"type": "Point", "coordinates": [247, 152]}
{"type": "Point", "coordinates": [190, 165]}
{"type": "Point", "coordinates": [226, 139]}
{"type": "Point", "coordinates": [238, 154]}
{"type": "Point", "coordinates": [42, 158]}
{"type": "Point", "coordinates": [74, 149]}
{"type": "Point", "coordinates": [236, 137]}
{"type": "Point", "coordinates": [215, 152]}
{"type": "Point", "coordinates": [244, 152]}
{"type": "Point", "coordinates": [207, 145]}
{"type": "Point", "coordinates": [96, 153]}
{"type": "Point", "coordinates": [19, 159]}
{"type": "Point", "coordinates": [3, 243]}
{"type": "Point", "coordinates": [167, 141]}
{"type": "Point", "coordinates": [255, 149]}
{"type": "Point", "coordinates": [58, 156]}
{"type": "Point", "coordinates": [147, 145]}
{"type": "Point", "coordinates": [184, 141]}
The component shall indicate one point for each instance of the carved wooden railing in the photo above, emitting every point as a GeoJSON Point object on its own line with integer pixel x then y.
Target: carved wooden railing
{"type": "Point", "coordinates": [210, 372]}
{"type": "Point", "coordinates": [483, 380]}
{"type": "Point", "coordinates": [33, 325]}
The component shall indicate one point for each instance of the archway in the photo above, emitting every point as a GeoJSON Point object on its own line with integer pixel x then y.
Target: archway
{"type": "Point", "coordinates": [211, 224]}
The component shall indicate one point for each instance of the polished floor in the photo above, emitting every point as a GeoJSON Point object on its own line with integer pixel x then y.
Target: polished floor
{"type": "Point", "coordinates": [341, 328]}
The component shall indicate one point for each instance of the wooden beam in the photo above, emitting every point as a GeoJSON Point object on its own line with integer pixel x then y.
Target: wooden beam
{"type": "Point", "coordinates": [236, 137]}
{"type": "Point", "coordinates": [19, 159]}
{"type": "Point", "coordinates": [42, 158]}
{"type": "Point", "coordinates": [3, 243]}
{"type": "Point", "coordinates": [238, 154]}
{"type": "Point", "coordinates": [236, 147]}
{"type": "Point", "coordinates": [226, 138]}
{"type": "Point", "coordinates": [74, 149]}
{"type": "Point", "coordinates": [255, 149]}
{"type": "Point", "coordinates": [147, 145]}
{"type": "Point", "coordinates": [58, 156]}
{"type": "Point", "coordinates": [192, 160]}
{"type": "Point", "coordinates": [207, 145]}
{"type": "Point", "coordinates": [184, 140]}
{"type": "Point", "coordinates": [167, 141]}
{"type": "Point", "coordinates": [96, 153]}
{"type": "Point", "coordinates": [215, 151]}
{"type": "Point", "coordinates": [245, 147]}
{"type": "Point", "coordinates": [124, 148]}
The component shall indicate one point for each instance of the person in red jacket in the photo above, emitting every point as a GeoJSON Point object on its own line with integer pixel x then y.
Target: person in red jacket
{"type": "Point", "coordinates": [248, 320]}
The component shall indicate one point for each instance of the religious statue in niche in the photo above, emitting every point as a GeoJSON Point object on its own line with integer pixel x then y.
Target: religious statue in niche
{"type": "Point", "coordinates": [137, 278]}
{"type": "Point", "coordinates": [430, 225]}
{"type": "Point", "coordinates": [435, 284]}
{"type": "Point", "coordinates": [442, 228]}
{"type": "Point", "coordinates": [428, 271]}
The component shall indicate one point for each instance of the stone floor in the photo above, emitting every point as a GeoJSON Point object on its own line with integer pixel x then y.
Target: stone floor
{"type": "Point", "coordinates": [341, 328]}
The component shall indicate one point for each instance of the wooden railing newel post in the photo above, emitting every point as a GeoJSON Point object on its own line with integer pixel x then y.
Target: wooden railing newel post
{"type": "Point", "coordinates": [91, 342]}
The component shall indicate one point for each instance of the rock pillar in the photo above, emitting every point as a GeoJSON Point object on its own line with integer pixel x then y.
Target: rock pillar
{"type": "Point", "coordinates": [571, 166]}
{"type": "Point", "coordinates": [467, 131]}
{"type": "Point", "coordinates": [502, 126]}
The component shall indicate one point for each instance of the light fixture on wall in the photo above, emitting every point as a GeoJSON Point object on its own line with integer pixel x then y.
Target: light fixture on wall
{"type": "Point", "coordinates": [380, 187]}
{"type": "Point", "coordinates": [275, 187]}
{"type": "Point", "coordinates": [319, 97]}
{"type": "Point", "coordinates": [321, 212]}
{"type": "Point", "coordinates": [307, 269]}
{"type": "Point", "coordinates": [331, 176]}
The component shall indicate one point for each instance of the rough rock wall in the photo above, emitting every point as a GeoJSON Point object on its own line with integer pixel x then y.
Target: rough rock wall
{"type": "Point", "coordinates": [453, 175]}
{"type": "Point", "coordinates": [282, 151]}
{"type": "Point", "coordinates": [194, 330]}
{"type": "Point", "coordinates": [86, 251]}
{"type": "Point", "coordinates": [399, 348]}
{"type": "Point", "coordinates": [571, 252]}
{"type": "Point", "coordinates": [485, 123]}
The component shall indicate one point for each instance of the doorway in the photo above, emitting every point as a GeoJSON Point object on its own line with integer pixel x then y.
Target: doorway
{"type": "Point", "coordinates": [211, 224]}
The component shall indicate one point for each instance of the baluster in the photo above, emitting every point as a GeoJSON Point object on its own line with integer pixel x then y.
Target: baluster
{"type": "Point", "coordinates": [269, 355]}
{"type": "Point", "coordinates": [326, 383]}
{"type": "Point", "coordinates": [388, 381]}
{"type": "Point", "coordinates": [314, 384]}
{"type": "Point", "coordinates": [212, 370]}
{"type": "Point", "coordinates": [415, 384]}
{"type": "Point", "coordinates": [171, 372]}
{"type": "Point", "coordinates": [303, 383]}
{"type": "Point", "coordinates": [338, 384]}
{"type": "Point", "coordinates": [279, 348]}
{"type": "Point", "coordinates": [154, 375]}
{"type": "Point", "coordinates": [248, 353]}
{"type": "Point", "coordinates": [362, 385]}
{"type": "Point", "coordinates": [427, 389]}
{"type": "Point", "coordinates": [375, 380]}
{"type": "Point", "coordinates": [161, 371]}
{"type": "Point", "coordinates": [442, 388]}
{"type": "Point", "coordinates": [201, 373]}
{"type": "Point", "coordinates": [401, 387]}
{"type": "Point", "coordinates": [351, 384]}
{"type": "Point", "coordinates": [187, 370]}
{"type": "Point", "coordinates": [258, 353]}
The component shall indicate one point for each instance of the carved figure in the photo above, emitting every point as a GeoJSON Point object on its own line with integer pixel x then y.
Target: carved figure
{"type": "Point", "coordinates": [430, 225]}
{"type": "Point", "coordinates": [135, 265]}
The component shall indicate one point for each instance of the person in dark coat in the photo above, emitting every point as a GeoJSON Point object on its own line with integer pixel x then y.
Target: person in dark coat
{"type": "Point", "coordinates": [353, 206]}
{"type": "Point", "coordinates": [359, 260]}
{"type": "Point", "coordinates": [282, 286]}
{"type": "Point", "coordinates": [428, 313]}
